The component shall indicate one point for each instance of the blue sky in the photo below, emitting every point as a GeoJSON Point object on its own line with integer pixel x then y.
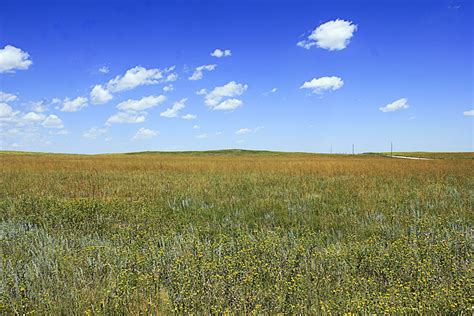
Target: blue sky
{"type": "Point", "coordinates": [364, 73]}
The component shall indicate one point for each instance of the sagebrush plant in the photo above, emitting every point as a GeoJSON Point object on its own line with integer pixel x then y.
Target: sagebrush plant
{"type": "Point", "coordinates": [247, 233]}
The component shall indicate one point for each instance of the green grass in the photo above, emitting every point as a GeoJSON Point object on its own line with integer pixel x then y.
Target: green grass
{"type": "Point", "coordinates": [242, 233]}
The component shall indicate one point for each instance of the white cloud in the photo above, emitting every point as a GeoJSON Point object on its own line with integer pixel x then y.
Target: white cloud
{"type": "Point", "coordinates": [228, 105]}
{"type": "Point", "coordinates": [202, 136]}
{"type": "Point", "coordinates": [198, 72]}
{"type": "Point", "coordinates": [125, 117]}
{"type": "Point", "coordinates": [332, 35]}
{"type": "Point", "coordinates": [142, 104]}
{"type": "Point", "coordinates": [214, 98]}
{"type": "Point", "coordinates": [52, 121]}
{"type": "Point", "coordinates": [396, 105]}
{"type": "Point", "coordinates": [74, 105]}
{"type": "Point", "coordinates": [104, 69]}
{"type": "Point", "coordinates": [168, 88]}
{"type": "Point", "coordinates": [221, 53]}
{"type": "Point", "coordinates": [248, 130]}
{"type": "Point", "coordinates": [173, 111]}
{"type": "Point", "coordinates": [144, 133]}
{"type": "Point", "coordinates": [94, 132]}
{"type": "Point", "coordinates": [12, 58]}
{"type": "Point", "coordinates": [189, 117]}
{"type": "Point", "coordinates": [7, 97]}
{"type": "Point", "coordinates": [139, 76]}
{"type": "Point", "coordinates": [32, 117]}
{"type": "Point", "coordinates": [274, 90]}
{"type": "Point", "coordinates": [243, 131]}
{"type": "Point", "coordinates": [201, 92]}
{"type": "Point", "coordinates": [6, 112]}
{"type": "Point", "coordinates": [100, 95]}
{"type": "Point", "coordinates": [468, 113]}
{"type": "Point", "coordinates": [196, 127]}
{"type": "Point", "coordinates": [323, 84]}
{"type": "Point", "coordinates": [39, 106]}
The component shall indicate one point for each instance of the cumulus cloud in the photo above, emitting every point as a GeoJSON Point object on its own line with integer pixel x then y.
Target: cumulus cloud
{"type": "Point", "coordinates": [126, 117]}
{"type": "Point", "coordinates": [104, 69]}
{"type": "Point", "coordinates": [94, 132]}
{"type": "Point", "coordinates": [243, 131]}
{"type": "Point", "coordinates": [198, 72]}
{"type": "Point", "coordinates": [168, 88]}
{"type": "Point", "coordinates": [173, 111]}
{"type": "Point", "coordinates": [52, 121]}
{"type": "Point", "coordinates": [100, 95]}
{"type": "Point", "coordinates": [142, 104]}
{"type": "Point", "coordinates": [6, 112]}
{"type": "Point", "coordinates": [323, 84]}
{"type": "Point", "coordinates": [74, 105]}
{"type": "Point", "coordinates": [202, 135]}
{"type": "Point", "coordinates": [12, 58]}
{"type": "Point", "coordinates": [139, 76]}
{"type": "Point", "coordinates": [468, 113]}
{"type": "Point", "coordinates": [144, 133]}
{"type": "Point", "coordinates": [396, 105]}
{"type": "Point", "coordinates": [248, 130]}
{"type": "Point", "coordinates": [7, 97]}
{"type": "Point", "coordinates": [32, 117]}
{"type": "Point", "coordinates": [39, 106]}
{"type": "Point", "coordinates": [189, 117]}
{"type": "Point", "coordinates": [221, 53]}
{"type": "Point", "coordinates": [214, 99]}
{"type": "Point", "coordinates": [332, 35]}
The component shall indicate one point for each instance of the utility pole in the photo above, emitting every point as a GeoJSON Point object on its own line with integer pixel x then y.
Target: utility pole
{"type": "Point", "coordinates": [353, 149]}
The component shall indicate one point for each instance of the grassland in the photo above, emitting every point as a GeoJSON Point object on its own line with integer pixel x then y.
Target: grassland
{"type": "Point", "coordinates": [245, 233]}
{"type": "Point", "coordinates": [434, 155]}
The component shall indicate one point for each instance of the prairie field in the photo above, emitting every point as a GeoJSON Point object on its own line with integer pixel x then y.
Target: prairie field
{"type": "Point", "coordinates": [235, 232]}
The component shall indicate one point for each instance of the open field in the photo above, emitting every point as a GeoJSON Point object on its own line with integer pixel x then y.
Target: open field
{"type": "Point", "coordinates": [235, 232]}
{"type": "Point", "coordinates": [434, 155]}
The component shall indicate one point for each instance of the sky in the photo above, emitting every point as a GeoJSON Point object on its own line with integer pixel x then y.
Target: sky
{"type": "Point", "coordinates": [314, 76]}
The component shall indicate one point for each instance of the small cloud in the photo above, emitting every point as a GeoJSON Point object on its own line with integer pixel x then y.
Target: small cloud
{"type": "Point", "coordinates": [323, 84]}
{"type": "Point", "coordinates": [128, 117]}
{"type": "Point", "coordinates": [12, 58]}
{"type": "Point", "coordinates": [198, 72]}
{"type": "Point", "coordinates": [141, 104]}
{"type": "Point", "coordinates": [202, 136]}
{"type": "Point", "coordinates": [243, 131]}
{"type": "Point", "coordinates": [139, 76]}
{"type": "Point", "coordinates": [74, 105]}
{"type": "Point", "coordinates": [7, 97]}
{"type": "Point", "coordinates": [145, 133]}
{"type": "Point", "coordinates": [214, 99]}
{"type": "Point", "coordinates": [168, 88]}
{"type": "Point", "coordinates": [248, 130]}
{"type": "Point", "coordinates": [104, 70]}
{"type": "Point", "coordinates": [32, 117]}
{"type": "Point", "coordinates": [189, 117]}
{"type": "Point", "coordinates": [201, 92]}
{"type": "Point", "coordinates": [396, 105]}
{"type": "Point", "coordinates": [196, 127]}
{"type": "Point", "coordinates": [173, 111]}
{"type": "Point", "coordinates": [468, 113]}
{"type": "Point", "coordinates": [52, 121]}
{"type": "Point", "coordinates": [274, 90]}
{"type": "Point", "coordinates": [332, 35]}
{"type": "Point", "coordinates": [94, 132]}
{"type": "Point", "coordinates": [221, 53]}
